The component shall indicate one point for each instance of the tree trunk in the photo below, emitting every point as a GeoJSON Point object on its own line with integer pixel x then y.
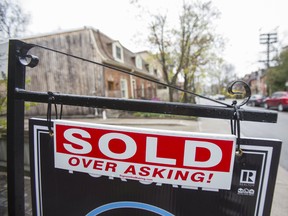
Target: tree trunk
{"type": "Point", "coordinates": [171, 91]}
{"type": "Point", "coordinates": [185, 86]}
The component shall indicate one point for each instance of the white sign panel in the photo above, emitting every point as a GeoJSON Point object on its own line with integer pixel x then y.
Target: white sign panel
{"type": "Point", "coordinates": [162, 156]}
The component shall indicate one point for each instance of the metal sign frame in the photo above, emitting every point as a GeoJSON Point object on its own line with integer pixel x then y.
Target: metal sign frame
{"type": "Point", "coordinates": [17, 95]}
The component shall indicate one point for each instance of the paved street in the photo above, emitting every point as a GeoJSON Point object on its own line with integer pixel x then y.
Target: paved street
{"type": "Point", "coordinates": [268, 130]}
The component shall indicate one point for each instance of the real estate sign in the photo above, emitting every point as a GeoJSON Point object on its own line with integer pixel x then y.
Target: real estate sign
{"type": "Point", "coordinates": [93, 169]}
{"type": "Point", "coordinates": [176, 158]}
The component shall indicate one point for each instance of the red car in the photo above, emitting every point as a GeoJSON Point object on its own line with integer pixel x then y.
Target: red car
{"type": "Point", "coordinates": [278, 100]}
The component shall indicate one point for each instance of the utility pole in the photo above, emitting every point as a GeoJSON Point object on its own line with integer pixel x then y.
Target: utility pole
{"type": "Point", "coordinates": [268, 39]}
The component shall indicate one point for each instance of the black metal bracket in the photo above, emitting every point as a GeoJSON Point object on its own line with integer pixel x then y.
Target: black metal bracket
{"type": "Point", "coordinates": [247, 94]}
{"type": "Point", "coordinates": [24, 58]}
{"type": "Point", "coordinates": [220, 112]}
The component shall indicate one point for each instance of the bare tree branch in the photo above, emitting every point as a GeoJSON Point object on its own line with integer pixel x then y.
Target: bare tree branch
{"type": "Point", "coordinates": [13, 20]}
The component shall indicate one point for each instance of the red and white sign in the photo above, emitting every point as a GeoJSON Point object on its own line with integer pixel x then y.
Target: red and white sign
{"type": "Point", "coordinates": [163, 156]}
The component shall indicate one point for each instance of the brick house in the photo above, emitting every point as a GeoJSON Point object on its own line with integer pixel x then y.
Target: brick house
{"type": "Point", "coordinates": [257, 82]}
{"type": "Point", "coordinates": [59, 72]}
{"type": "Point", "coordinates": [123, 85]}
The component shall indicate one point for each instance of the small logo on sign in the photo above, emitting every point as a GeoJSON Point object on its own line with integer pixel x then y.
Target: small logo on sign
{"type": "Point", "coordinates": [248, 177]}
{"type": "Point", "coordinates": [245, 191]}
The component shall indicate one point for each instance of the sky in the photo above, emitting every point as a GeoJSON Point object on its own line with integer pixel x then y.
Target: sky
{"type": "Point", "coordinates": [241, 22]}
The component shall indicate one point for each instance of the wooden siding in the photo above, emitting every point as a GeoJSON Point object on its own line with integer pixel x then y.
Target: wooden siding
{"type": "Point", "coordinates": [61, 73]}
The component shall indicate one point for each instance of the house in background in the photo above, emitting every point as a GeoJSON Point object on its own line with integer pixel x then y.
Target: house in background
{"type": "Point", "coordinates": [257, 82]}
{"type": "Point", "coordinates": [95, 73]}
{"type": "Point", "coordinates": [155, 68]}
{"type": "Point", "coordinates": [125, 85]}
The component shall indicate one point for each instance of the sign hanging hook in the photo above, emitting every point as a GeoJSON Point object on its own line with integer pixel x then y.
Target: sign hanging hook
{"type": "Point", "coordinates": [235, 89]}
{"type": "Point", "coordinates": [235, 128]}
{"type": "Point", "coordinates": [51, 99]}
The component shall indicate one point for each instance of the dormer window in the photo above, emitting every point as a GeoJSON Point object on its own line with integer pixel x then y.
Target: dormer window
{"type": "Point", "coordinates": [138, 62]}
{"type": "Point", "coordinates": [118, 52]}
{"type": "Point", "coordinates": [149, 68]}
{"type": "Point", "coordinates": [155, 72]}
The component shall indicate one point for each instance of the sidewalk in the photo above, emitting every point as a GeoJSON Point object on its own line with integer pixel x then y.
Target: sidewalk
{"type": "Point", "coordinates": [280, 200]}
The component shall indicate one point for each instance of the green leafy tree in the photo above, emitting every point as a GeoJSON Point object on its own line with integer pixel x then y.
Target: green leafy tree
{"type": "Point", "coordinates": [3, 105]}
{"type": "Point", "coordinates": [196, 40]}
{"type": "Point", "coordinates": [184, 49]}
{"type": "Point", "coordinates": [13, 22]}
{"type": "Point", "coordinates": [278, 76]}
{"type": "Point", "coordinates": [160, 37]}
{"type": "Point", "coordinates": [221, 74]}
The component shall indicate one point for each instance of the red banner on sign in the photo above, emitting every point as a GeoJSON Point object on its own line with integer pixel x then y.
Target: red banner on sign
{"type": "Point", "coordinates": [182, 158]}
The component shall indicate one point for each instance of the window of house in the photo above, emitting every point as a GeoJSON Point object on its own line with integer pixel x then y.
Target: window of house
{"type": "Point", "coordinates": [124, 88]}
{"type": "Point", "coordinates": [149, 68]}
{"type": "Point", "coordinates": [142, 90]}
{"type": "Point", "coordinates": [118, 52]}
{"type": "Point", "coordinates": [155, 72]}
{"type": "Point", "coordinates": [138, 62]}
{"type": "Point", "coordinates": [110, 86]}
{"type": "Point", "coordinates": [134, 88]}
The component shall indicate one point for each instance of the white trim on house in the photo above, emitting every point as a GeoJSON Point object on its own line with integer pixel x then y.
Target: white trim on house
{"type": "Point", "coordinates": [124, 88]}
{"type": "Point", "coordinates": [133, 87]}
{"type": "Point", "coordinates": [138, 62]}
{"type": "Point", "coordinates": [94, 43]}
{"type": "Point", "coordinates": [117, 52]}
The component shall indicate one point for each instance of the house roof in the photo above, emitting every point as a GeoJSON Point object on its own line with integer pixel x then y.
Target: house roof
{"type": "Point", "coordinates": [104, 44]}
{"type": "Point", "coordinates": [58, 32]}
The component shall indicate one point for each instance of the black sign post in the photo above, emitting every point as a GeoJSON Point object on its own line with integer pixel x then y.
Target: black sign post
{"type": "Point", "coordinates": [15, 125]}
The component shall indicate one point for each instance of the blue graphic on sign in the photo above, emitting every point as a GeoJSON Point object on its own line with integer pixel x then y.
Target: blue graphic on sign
{"type": "Point", "coordinates": [126, 204]}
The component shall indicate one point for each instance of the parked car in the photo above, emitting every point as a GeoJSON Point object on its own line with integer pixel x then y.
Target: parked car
{"type": "Point", "coordinates": [218, 97]}
{"type": "Point", "coordinates": [256, 100]}
{"type": "Point", "coordinates": [278, 100]}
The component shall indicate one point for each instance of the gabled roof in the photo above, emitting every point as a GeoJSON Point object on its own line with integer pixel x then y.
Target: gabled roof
{"type": "Point", "coordinates": [104, 45]}
{"type": "Point", "coordinates": [59, 32]}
